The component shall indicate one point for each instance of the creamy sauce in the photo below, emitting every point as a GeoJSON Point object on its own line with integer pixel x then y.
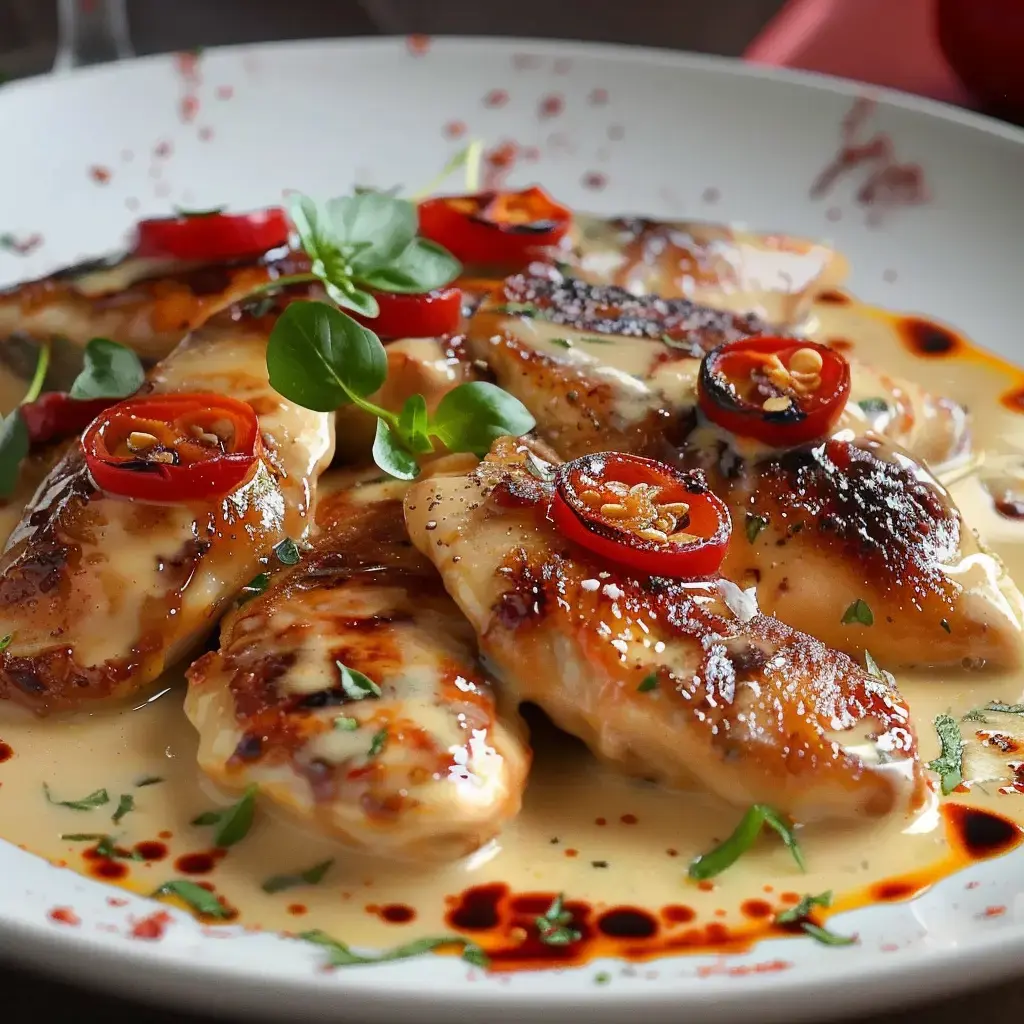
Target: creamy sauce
{"type": "Point", "coordinates": [617, 848]}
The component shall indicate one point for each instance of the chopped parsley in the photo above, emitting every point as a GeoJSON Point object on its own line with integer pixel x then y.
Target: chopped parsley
{"type": "Point", "coordinates": [311, 876]}
{"type": "Point", "coordinates": [124, 806]}
{"type": "Point", "coordinates": [553, 926]}
{"type": "Point", "coordinates": [201, 900]}
{"type": "Point", "coordinates": [345, 724]}
{"type": "Point", "coordinates": [949, 763]}
{"type": "Point", "coordinates": [860, 612]}
{"type": "Point", "coordinates": [355, 685]}
{"type": "Point", "coordinates": [148, 780]}
{"type": "Point", "coordinates": [95, 799]}
{"type": "Point", "coordinates": [105, 845]}
{"type": "Point", "coordinates": [602, 978]}
{"type": "Point", "coordinates": [799, 914]}
{"type": "Point", "coordinates": [378, 742]}
{"type": "Point", "coordinates": [744, 836]}
{"type": "Point", "coordinates": [342, 956]}
{"type": "Point", "coordinates": [561, 342]}
{"type": "Point", "coordinates": [520, 308]}
{"type": "Point", "coordinates": [754, 525]}
{"type": "Point", "coordinates": [5, 642]}
{"type": "Point", "coordinates": [233, 823]}
{"type": "Point", "coordinates": [287, 552]}
{"type": "Point", "coordinates": [873, 406]}
{"type": "Point", "coordinates": [256, 586]}
{"type": "Point", "coordinates": [647, 683]}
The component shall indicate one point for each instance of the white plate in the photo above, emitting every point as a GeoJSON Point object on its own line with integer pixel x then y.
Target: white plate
{"type": "Point", "coordinates": [84, 155]}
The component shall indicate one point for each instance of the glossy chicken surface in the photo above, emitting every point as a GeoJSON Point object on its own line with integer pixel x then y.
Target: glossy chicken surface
{"type": "Point", "coordinates": [101, 594]}
{"type": "Point", "coordinates": [147, 304]}
{"type": "Point", "coordinates": [741, 703]}
{"type": "Point", "coordinates": [431, 769]}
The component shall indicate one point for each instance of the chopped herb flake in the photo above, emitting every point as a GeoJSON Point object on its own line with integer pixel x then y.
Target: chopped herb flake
{"type": "Point", "coordinates": [521, 308]}
{"type": "Point", "coordinates": [342, 956]}
{"type": "Point", "coordinates": [287, 552]}
{"type": "Point", "coordinates": [561, 342]}
{"type": "Point", "coordinates": [647, 683]}
{"type": "Point", "coordinates": [754, 525]}
{"type": "Point", "coordinates": [860, 612]}
{"type": "Point", "coordinates": [311, 876]}
{"type": "Point", "coordinates": [602, 978]}
{"type": "Point", "coordinates": [800, 910]}
{"type": "Point", "coordinates": [233, 823]}
{"type": "Point", "coordinates": [949, 763]}
{"type": "Point", "coordinates": [378, 742]}
{"type": "Point", "coordinates": [873, 406]}
{"type": "Point", "coordinates": [124, 806]}
{"type": "Point", "coordinates": [148, 780]}
{"type": "Point", "coordinates": [256, 586]}
{"type": "Point", "coordinates": [742, 839]}
{"type": "Point", "coordinates": [97, 798]}
{"type": "Point", "coordinates": [5, 642]}
{"type": "Point", "coordinates": [825, 937]}
{"type": "Point", "coordinates": [201, 900]}
{"type": "Point", "coordinates": [345, 724]}
{"type": "Point", "coordinates": [553, 925]}
{"type": "Point", "coordinates": [355, 685]}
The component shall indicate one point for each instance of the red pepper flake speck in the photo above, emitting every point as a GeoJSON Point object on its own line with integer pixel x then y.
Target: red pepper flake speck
{"type": "Point", "coordinates": [496, 98]}
{"type": "Point", "coordinates": [189, 107]}
{"type": "Point", "coordinates": [152, 927]}
{"type": "Point", "coordinates": [600, 821]}
{"type": "Point", "coordinates": [598, 97]}
{"type": "Point", "coordinates": [163, 149]}
{"type": "Point", "coordinates": [116, 901]}
{"type": "Point", "coordinates": [225, 92]}
{"type": "Point", "coordinates": [550, 106]}
{"type": "Point", "coordinates": [993, 912]}
{"type": "Point", "coordinates": [101, 175]}
{"type": "Point", "coordinates": [205, 134]}
{"type": "Point", "coordinates": [972, 885]}
{"type": "Point", "coordinates": [297, 909]}
{"type": "Point", "coordinates": [595, 180]}
{"type": "Point", "coordinates": [6, 751]}
{"type": "Point", "coordinates": [454, 129]}
{"type": "Point", "coordinates": [498, 162]}
{"type": "Point", "coordinates": [64, 915]}
{"type": "Point", "coordinates": [417, 45]}
{"type": "Point", "coordinates": [572, 853]}
{"type": "Point", "coordinates": [628, 819]}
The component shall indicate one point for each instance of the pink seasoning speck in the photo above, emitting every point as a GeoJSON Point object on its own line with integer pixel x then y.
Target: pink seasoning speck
{"type": "Point", "coordinates": [64, 915]}
{"type": "Point", "coordinates": [496, 98]}
{"type": "Point", "coordinates": [550, 106]}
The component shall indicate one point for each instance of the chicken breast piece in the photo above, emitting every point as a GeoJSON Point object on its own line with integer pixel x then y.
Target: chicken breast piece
{"type": "Point", "coordinates": [430, 769]}
{"type": "Point", "coordinates": [605, 370]}
{"type": "Point", "coordinates": [855, 542]}
{"type": "Point", "coordinates": [147, 304]}
{"type": "Point", "coordinates": [677, 681]}
{"type": "Point", "coordinates": [100, 594]}
{"type": "Point", "coordinates": [775, 276]}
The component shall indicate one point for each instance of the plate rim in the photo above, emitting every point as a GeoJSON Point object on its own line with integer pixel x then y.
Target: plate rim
{"type": "Point", "coordinates": [992, 955]}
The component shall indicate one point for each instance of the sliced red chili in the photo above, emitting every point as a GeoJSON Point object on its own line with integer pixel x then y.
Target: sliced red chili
{"type": "Point", "coordinates": [213, 236]}
{"type": "Point", "coordinates": [781, 391]}
{"type": "Point", "coordinates": [173, 448]}
{"type": "Point", "coordinates": [495, 228]}
{"type": "Point", "coordinates": [56, 415]}
{"type": "Point", "coordinates": [426, 315]}
{"type": "Point", "coordinates": [642, 514]}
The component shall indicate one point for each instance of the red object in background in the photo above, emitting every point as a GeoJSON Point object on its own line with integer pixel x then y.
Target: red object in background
{"type": "Point", "coordinates": [417, 315]}
{"type": "Point", "coordinates": [983, 40]}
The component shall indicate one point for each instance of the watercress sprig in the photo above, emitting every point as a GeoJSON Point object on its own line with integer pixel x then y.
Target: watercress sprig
{"type": "Point", "coordinates": [321, 359]}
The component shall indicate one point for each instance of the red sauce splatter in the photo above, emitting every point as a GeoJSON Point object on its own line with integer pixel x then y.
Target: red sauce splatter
{"type": "Point", "coordinates": [572, 853]}
{"type": "Point", "coordinates": [1009, 508]}
{"type": "Point", "coordinates": [840, 344]}
{"type": "Point", "coordinates": [477, 908]}
{"type": "Point", "coordinates": [6, 751]}
{"type": "Point", "coordinates": [742, 970]}
{"type": "Point", "coordinates": [999, 740]}
{"type": "Point", "coordinates": [789, 897]}
{"type": "Point", "coordinates": [672, 853]}
{"type": "Point", "coordinates": [889, 183]}
{"type": "Point", "coordinates": [496, 98]}
{"type": "Point", "coordinates": [1013, 400]}
{"type": "Point", "coordinates": [710, 194]}
{"type": "Point", "coordinates": [116, 901]}
{"type": "Point", "coordinates": [706, 885]}
{"type": "Point", "coordinates": [550, 106]}
{"type": "Point", "coordinates": [498, 163]}
{"type": "Point", "coordinates": [886, 892]}
{"type": "Point", "coordinates": [151, 928]}
{"type": "Point", "coordinates": [600, 821]}
{"type": "Point", "coordinates": [594, 180]}
{"type": "Point", "coordinates": [981, 834]}
{"type": "Point", "coordinates": [397, 913]}
{"type": "Point", "coordinates": [993, 912]}
{"type": "Point", "coordinates": [455, 129]}
{"type": "Point", "coordinates": [188, 108]}
{"type": "Point", "coordinates": [225, 92]}
{"type": "Point", "coordinates": [835, 298]}
{"type": "Point", "coordinates": [165, 834]}
{"type": "Point", "coordinates": [756, 908]}
{"type": "Point", "coordinates": [196, 863]}
{"type": "Point", "coordinates": [163, 149]}
{"type": "Point", "coordinates": [109, 869]}
{"type": "Point", "coordinates": [150, 849]}
{"type": "Point", "coordinates": [927, 338]}
{"type": "Point", "coordinates": [101, 175]}
{"type": "Point", "coordinates": [64, 915]}
{"type": "Point", "coordinates": [525, 61]}
{"type": "Point", "coordinates": [297, 909]}
{"type": "Point", "coordinates": [598, 97]}
{"type": "Point", "coordinates": [676, 913]}
{"type": "Point", "coordinates": [628, 923]}
{"type": "Point", "coordinates": [417, 45]}
{"type": "Point", "coordinates": [629, 819]}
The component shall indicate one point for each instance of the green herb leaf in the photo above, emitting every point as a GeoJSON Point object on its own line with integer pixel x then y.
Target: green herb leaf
{"type": "Point", "coordinates": [378, 743]}
{"type": "Point", "coordinates": [148, 780]}
{"type": "Point", "coordinates": [562, 342]}
{"type": "Point", "coordinates": [236, 820]}
{"type": "Point", "coordinates": [825, 937]}
{"type": "Point", "coordinates": [342, 956]}
{"type": "Point", "coordinates": [372, 228]}
{"type": "Point", "coordinates": [647, 683]}
{"type": "Point", "coordinates": [311, 876]}
{"type": "Point", "coordinates": [873, 406]}
{"type": "Point", "coordinates": [389, 454]}
{"type": "Point", "coordinates": [413, 425]}
{"type": "Point", "coordinates": [949, 763]}
{"type": "Point", "coordinates": [206, 818]}
{"type": "Point", "coordinates": [974, 715]}
{"type": "Point", "coordinates": [84, 837]}
{"type": "Point", "coordinates": [421, 267]}
{"type": "Point", "coordinates": [355, 685]}
{"type": "Point", "coordinates": [517, 308]}
{"type": "Point", "coordinates": [124, 806]}
{"type": "Point", "coordinates": [256, 586]}
{"type": "Point", "coordinates": [553, 925]}
{"type": "Point", "coordinates": [212, 211]}
{"type": "Point", "coordinates": [14, 445]}
{"type": "Point", "coordinates": [199, 899]}
{"type": "Point", "coordinates": [110, 371]}
{"type": "Point", "coordinates": [95, 799]}
{"type": "Point", "coordinates": [105, 845]}
{"type": "Point", "coordinates": [1007, 709]}
{"type": "Point", "coordinates": [5, 641]}
{"type": "Point", "coordinates": [320, 358]}
{"type": "Point", "coordinates": [287, 552]}
{"type": "Point", "coordinates": [602, 978]}
{"type": "Point", "coordinates": [860, 612]}
{"type": "Point", "coordinates": [800, 910]}
{"type": "Point", "coordinates": [742, 839]}
{"type": "Point", "coordinates": [754, 525]}
{"type": "Point", "coordinates": [473, 415]}
{"type": "Point", "coordinates": [345, 724]}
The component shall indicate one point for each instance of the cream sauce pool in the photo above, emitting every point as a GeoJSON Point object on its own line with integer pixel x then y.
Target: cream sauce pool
{"type": "Point", "coordinates": [618, 849]}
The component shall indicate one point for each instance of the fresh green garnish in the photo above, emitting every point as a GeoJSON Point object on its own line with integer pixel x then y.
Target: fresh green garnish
{"type": "Point", "coordinates": [974, 715]}
{"type": "Point", "coordinates": [647, 683]}
{"type": "Point", "coordinates": [345, 724]}
{"type": "Point", "coordinates": [342, 956]}
{"type": "Point", "coordinates": [95, 799]}
{"type": "Point", "coordinates": [233, 823]}
{"type": "Point", "coordinates": [553, 925]}
{"type": "Point", "coordinates": [14, 439]}
{"type": "Point", "coordinates": [355, 685]}
{"type": "Point", "coordinates": [213, 211]}
{"type": "Point", "coordinates": [311, 876]}
{"type": "Point", "coordinates": [201, 900]}
{"type": "Point", "coordinates": [105, 845]}
{"type": "Point", "coordinates": [754, 524]}
{"type": "Point", "coordinates": [5, 641]}
{"type": "Point", "coordinates": [321, 359]}
{"type": "Point", "coordinates": [518, 308]}
{"type": "Point", "coordinates": [124, 806]}
{"type": "Point", "coordinates": [469, 157]}
{"type": "Point", "coordinates": [256, 586]}
{"type": "Point", "coordinates": [148, 780]}
{"type": "Point", "coordinates": [561, 342]}
{"type": "Point", "coordinates": [860, 612]}
{"type": "Point", "coordinates": [379, 741]}
{"type": "Point", "coordinates": [287, 552]}
{"type": "Point", "coordinates": [726, 854]}
{"type": "Point", "coordinates": [110, 371]}
{"type": "Point", "coordinates": [602, 978]}
{"type": "Point", "coordinates": [1006, 709]}
{"type": "Point", "coordinates": [873, 406]}
{"type": "Point", "coordinates": [949, 763]}
{"type": "Point", "coordinates": [825, 937]}
{"type": "Point", "coordinates": [800, 913]}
